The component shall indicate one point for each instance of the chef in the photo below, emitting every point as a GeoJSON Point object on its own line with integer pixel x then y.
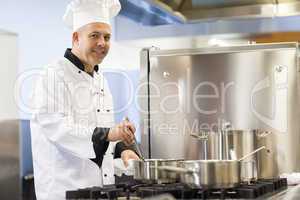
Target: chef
{"type": "Point", "coordinates": [73, 131]}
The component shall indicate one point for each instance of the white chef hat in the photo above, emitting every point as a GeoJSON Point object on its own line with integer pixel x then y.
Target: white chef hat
{"type": "Point", "coordinates": [83, 12]}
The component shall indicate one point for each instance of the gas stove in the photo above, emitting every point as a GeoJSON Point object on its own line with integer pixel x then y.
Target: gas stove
{"type": "Point", "coordinates": [139, 190]}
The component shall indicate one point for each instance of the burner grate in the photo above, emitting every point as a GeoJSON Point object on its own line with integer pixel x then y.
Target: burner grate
{"type": "Point", "coordinates": [95, 193]}
{"type": "Point", "coordinates": [177, 190]}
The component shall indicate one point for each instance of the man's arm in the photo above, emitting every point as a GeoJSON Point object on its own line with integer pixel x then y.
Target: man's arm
{"type": "Point", "coordinates": [125, 152]}
{"type": "Point", "coordinates": [125, 131]}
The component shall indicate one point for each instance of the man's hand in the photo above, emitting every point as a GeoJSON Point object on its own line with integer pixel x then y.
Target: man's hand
{"type": "Point", "coordinates": [127, 155]}
{"type": "Point", "coordinates": [123, 131]}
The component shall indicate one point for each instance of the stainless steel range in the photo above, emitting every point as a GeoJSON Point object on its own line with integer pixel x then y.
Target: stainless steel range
{"type": "Point", "coordinates": [127, 188]}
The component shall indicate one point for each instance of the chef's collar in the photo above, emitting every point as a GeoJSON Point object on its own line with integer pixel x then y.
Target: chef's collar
{"type": "Point", "coordinates": [76, 61]}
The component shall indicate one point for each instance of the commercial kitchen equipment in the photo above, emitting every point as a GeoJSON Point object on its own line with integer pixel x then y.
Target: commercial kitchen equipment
{"type": "Point", "coordinates": [126, 189]}
{"type": "Point", "coordinates": [252, 86]}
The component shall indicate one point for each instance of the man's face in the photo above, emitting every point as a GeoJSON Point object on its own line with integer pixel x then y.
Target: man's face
{"type": "Point", "coordinates": [92, 42]}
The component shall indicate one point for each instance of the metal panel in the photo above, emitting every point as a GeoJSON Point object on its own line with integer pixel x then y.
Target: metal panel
{"type": "Point", "coordinates": [253, 87]}
{"type": "Point", "coordinates": [143, 103]}
{"type": "Point", "coordinates": [10, 185]}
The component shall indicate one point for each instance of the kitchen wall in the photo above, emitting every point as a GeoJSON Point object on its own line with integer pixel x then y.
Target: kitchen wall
{"type": "Point", "coordinates": [41, 34]}
{"type": "Point", "coordinates": [8, 70]}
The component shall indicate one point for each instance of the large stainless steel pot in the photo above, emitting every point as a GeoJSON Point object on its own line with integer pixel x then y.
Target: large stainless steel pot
{"type": "Point", "coordinates": [212, 143]}
{"type": "Point", "coordinates": [232, 144]}
{"type": "Point", "coordinates": [212, 173]}
{"type": "Point", "coordinates": [267, 162]}
{"type": "Point", "coordinates": [264, 165]}
{"type": "Point", "coordinates": [208, 173]}
{"type": "Point", "coordinates": [148, 169]}
{"type": "Point", "coordinates": [237, 143]}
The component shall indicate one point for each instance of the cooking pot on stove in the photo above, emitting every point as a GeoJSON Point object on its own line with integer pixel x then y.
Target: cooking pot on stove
{"type": "Point", "coordinates": [148, 169]}
{"type": "Point", "coordinates": [210, 173]}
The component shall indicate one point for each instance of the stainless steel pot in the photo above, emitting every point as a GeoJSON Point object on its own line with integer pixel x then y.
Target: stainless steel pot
{"type": "Point", "coordinates": [212, 143]}
{"type": "Point", "coordinates": [264, 165]}
{"type": "Point", "coordinates": [212, 173]}
{"type": "Point", "coordinates": [232, 144]}
{"type": "Point", "coordinates": [267, 162]}
{"type": "Point", "coordinates": [208, 173]}
{"type": "Point", "coordinates": [237, 143]}
{"type": "Point", "coordinates": [148, 169]}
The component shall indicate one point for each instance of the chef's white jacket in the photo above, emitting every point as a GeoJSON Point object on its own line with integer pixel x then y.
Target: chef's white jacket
{"type": "Point", "coordinates": [68, 104]}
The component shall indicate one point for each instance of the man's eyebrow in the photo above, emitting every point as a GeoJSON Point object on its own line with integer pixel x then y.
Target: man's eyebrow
{"type": "Point", "coordinates": [98, 32]}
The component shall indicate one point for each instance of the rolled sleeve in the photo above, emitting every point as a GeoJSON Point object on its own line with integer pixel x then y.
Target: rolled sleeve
{"type": "Point", "coordinates": [120, 147]}
{"type": "Point", "coordinates": [100, 144]}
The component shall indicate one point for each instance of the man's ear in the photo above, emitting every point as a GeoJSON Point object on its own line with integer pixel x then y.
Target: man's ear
{"type": "Point", "coordinates": [75, 38]}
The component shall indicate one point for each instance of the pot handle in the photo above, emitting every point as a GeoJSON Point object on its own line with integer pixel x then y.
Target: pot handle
{"type": "Point", "coordinates": [226, 126]}
{"type": "Point", "coordinates": [250, 154]}
{"type": "Point", "coordinates": [263, 134]}
{"type": "Point", "coordinates": [176, 169]}
{"type": "Point", "coordinates": [201, 136]}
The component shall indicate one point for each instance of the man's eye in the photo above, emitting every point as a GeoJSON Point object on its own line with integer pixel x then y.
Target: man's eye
{"type": "Point", "coordinates": [94, 36]}
{"type": "Point", "coordinates": [107, 38]}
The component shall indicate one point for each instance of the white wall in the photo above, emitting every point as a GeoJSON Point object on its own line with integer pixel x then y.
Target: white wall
{"type": "Point", "coordinates": [8, 71]}
{"type": "Point", "coordinates": [42, 36]}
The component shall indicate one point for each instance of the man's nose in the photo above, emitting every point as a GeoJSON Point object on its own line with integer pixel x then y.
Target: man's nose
{"type": "Point", "coordinates": [101, 41]}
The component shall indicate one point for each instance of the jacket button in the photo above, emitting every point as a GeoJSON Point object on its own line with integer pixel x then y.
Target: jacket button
{"type": "Point", "coordinates": [105, 175]}
{"type": "Point", "coordinates": [98, 110]}
{"type": "Point", "coordinates": [107, 110]}
{"type": "Point", "coordinates": [79, 72]}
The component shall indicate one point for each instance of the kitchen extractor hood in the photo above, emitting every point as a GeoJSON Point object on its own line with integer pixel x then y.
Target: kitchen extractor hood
{"type": "Point", "coordinates": [159, 12]}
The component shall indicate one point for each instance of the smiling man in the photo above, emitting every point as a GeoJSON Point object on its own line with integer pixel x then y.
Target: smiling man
{"type": "Point", "coordinates": [91, 43]}
{"type": "Point", "coordinates": [73, 131]}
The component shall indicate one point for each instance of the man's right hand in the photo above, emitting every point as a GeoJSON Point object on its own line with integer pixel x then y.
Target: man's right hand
{"type": "Point", "coordinates": [123, 131]}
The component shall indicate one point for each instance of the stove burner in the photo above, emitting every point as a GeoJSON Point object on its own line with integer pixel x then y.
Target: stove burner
{"type": "Point", "coordinates": [132, 190]}
{"type": "Point", "coordinates": [177, 190]}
